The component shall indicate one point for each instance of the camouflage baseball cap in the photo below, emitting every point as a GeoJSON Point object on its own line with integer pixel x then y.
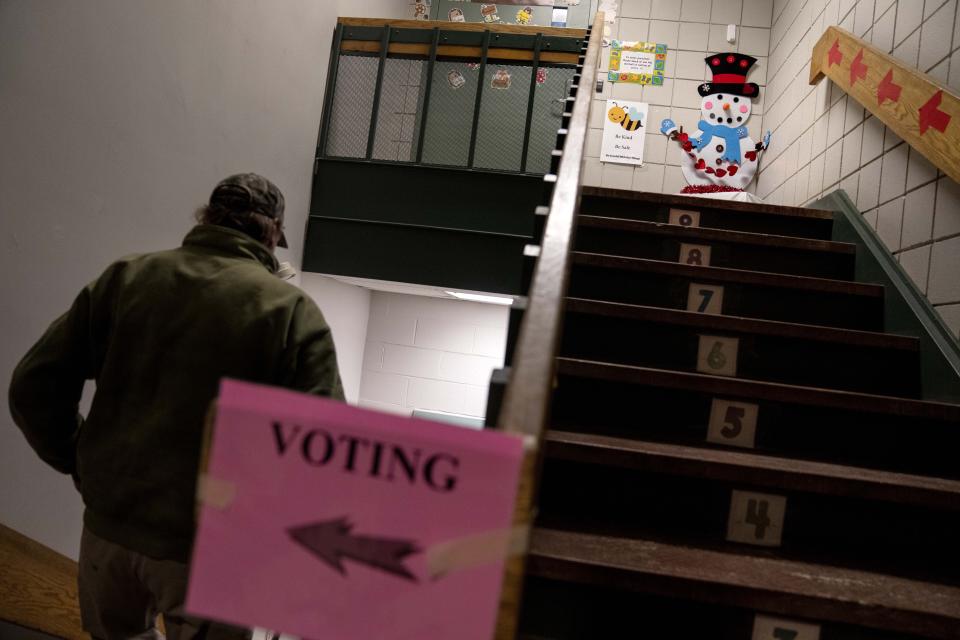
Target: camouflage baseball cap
{"type": "Point", "coordinates": [251, 192]}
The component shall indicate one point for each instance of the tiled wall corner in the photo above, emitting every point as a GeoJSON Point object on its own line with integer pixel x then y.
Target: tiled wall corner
{"type": "Point", "coordinates": [914, 208]}
{"type": "Point", "coordinates": [692, 29]}
{"type": "Point", "coordinates": [431, 353]}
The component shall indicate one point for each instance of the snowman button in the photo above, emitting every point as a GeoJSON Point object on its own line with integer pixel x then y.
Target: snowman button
{"type": "Point", "coordinates": [720, 148]}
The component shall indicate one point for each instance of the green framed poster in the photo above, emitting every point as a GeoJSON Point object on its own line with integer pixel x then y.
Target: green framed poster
{"type": "Point", "coordinates": [637, 62]}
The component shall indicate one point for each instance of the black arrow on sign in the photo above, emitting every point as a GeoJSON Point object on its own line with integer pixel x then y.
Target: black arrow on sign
{"type": "Point", "coordinates": [331, 541]}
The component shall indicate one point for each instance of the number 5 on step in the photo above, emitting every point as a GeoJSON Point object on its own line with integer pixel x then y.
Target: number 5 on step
{"type": "Point", "coordinates": [733, 423]}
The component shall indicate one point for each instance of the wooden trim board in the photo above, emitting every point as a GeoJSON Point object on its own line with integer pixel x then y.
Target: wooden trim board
{"type": "Point", "coordinates": [457, 51]}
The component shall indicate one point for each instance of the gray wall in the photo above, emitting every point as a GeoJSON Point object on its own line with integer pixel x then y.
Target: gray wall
{"type": "Point", "coordinates": [823, 140]}
{"type": "Point", "coordinates": [117, 119]}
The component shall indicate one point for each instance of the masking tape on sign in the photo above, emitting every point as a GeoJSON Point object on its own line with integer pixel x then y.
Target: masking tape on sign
{"type": "Point", "coordinates": [215, 492]}
{"type": "Point", "coordinates": [476, 550]}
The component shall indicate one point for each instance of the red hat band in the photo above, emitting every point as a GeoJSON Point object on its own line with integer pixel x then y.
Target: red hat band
{"type": "Point", "coordinates": [729, 78]}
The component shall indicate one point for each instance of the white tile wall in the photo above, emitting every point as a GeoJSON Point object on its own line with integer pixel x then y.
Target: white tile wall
{"type": "Point", "coordinates": [431, 353]}
{"type": "Point", "coordinates": [914, 208]}
{"type": "Point", "coordinates": [692, 29]}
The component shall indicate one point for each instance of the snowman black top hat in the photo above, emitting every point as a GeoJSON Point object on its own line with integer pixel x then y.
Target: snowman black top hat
{"type": "Point", "coordinates": [730, 75]}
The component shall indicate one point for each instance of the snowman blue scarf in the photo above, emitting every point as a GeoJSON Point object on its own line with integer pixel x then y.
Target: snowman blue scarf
{"type": "Point", "coordinates": [731, 139]}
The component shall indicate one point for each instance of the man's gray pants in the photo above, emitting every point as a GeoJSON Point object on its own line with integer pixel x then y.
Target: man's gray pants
{"type": "Point", "coordinates": [122, 591]}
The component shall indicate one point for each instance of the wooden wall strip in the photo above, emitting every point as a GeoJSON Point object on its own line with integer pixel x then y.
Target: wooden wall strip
{"type": "Point", "coordinates": [914, 105]}
{"type": "Point", "coordinates": [463, 26]}
{"type": "Point", "coordinates": [461, 51]}
{"type": "Point", "coordinates": [38, 587]}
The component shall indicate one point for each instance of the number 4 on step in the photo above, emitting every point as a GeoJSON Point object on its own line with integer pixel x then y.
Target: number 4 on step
{"type": "Point", "coordinates": [756, 518]}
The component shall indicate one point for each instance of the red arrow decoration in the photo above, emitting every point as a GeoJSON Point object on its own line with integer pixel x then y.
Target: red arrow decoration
{"type": "Point", "coordinates": [887, 90]}
{"type": "Point", "coordinates": [858, 70]}
{"type": "Point", "coordinates": [834, 56]}
{"type": "Point", "coordinates": [332, 541]}
{"type": "Point", "coordinates": [931, 116]}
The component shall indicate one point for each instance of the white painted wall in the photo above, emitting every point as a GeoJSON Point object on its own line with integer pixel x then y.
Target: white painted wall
{"type": "Point", "coordinates": [346, 308]}
{"type": "Point", "coordinates": [431, 353]}
{"type": "Point", "coordinates": [823, 141]}
{"type": "Point", "coordinates": [691, 29]}
{"type": "Point", "coordinates": [118, 118]}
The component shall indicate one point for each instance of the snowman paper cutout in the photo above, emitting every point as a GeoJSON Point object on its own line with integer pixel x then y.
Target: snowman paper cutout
{"type": "Point", "coordinates": [721, 156]}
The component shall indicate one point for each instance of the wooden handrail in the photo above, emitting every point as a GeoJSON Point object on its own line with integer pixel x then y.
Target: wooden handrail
{"type": "Point", "coordinates": [526, 402]}
{"type": "Point", "coordinates": [915, 106]}
{"type": "Point", "coordinates": [38, 587]}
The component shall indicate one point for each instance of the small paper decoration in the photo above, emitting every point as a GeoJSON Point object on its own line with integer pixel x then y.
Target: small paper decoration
{"type": "Point", "coordinates": [455, 79]}
{"type": "Point", "coordinates": [500, 80]}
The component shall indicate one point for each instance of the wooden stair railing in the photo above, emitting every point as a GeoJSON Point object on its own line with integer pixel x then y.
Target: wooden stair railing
{"type": "Point", "coordinates": [527, 398]}
{"type": "Point", "coordinates": [38, 587]}
{"type": "Point", "coordinates": [915, 106]}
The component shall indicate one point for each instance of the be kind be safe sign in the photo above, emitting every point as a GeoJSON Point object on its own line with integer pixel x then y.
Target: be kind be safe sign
{"type": "Point", "coordinates": [624, 129]}
{"type": "Point", "coordinates": [328, 521]}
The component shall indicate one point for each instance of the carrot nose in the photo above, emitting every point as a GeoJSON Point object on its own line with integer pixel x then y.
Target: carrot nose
{"type": "Point", "coordinates": [726, 106]}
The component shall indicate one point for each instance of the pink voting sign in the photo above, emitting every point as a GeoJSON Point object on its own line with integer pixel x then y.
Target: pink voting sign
{"type": "Point", "coordinates": [326, 521]}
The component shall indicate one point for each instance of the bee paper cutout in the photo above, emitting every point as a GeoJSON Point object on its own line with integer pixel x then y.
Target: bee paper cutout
{"type": "Point", "coordinates": [628, 120]}
{"type": "Point", "coordinates": [524, 15]}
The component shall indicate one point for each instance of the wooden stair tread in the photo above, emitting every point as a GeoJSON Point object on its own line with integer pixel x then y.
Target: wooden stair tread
{"type": "Point", "coordinates": [795, 589]}
{"type": "Point", "coordinates": [701, 234]}
{"type": "Point", "coordinates": [741, 276]}
{"type": "Point", "coordinates": [692, 202]}
{"type": "Point", "coordinates": [756, 469]}
{"type": "Point", "coordinates": [772, 391]}
{"type": "Point", "coordinates": [694, 319]}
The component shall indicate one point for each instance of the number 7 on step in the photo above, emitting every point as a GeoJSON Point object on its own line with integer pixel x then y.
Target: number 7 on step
{"type": "Point", "coordinates": [705, 298]}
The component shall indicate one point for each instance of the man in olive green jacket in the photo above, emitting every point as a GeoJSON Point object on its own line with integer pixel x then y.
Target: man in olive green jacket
{"type": "Point", "coordinates": [157, 332]}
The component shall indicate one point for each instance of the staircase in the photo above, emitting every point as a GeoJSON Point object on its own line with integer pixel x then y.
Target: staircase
{"type": "Point", "coordinates": [735, 448]}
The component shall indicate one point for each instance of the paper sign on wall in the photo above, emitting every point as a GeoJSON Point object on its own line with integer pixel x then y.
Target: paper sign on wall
{"type": "Point", "coordinates": [328, 521]}
{"type": "Point", "coordinates": [638, 62]}
{"type": "Point", "coordinates": [624, 129]}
